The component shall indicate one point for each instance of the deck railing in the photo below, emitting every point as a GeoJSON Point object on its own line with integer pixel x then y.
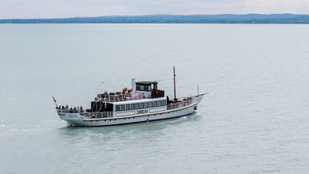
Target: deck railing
{"type": "Point", "coordinates": [98, 114]}
{"type": "Point", "coordinates": [70, 111]}
{"type": "Point", "coordinates": [179, 104]}
{"type": "Point", "coordinates": [116, 97]}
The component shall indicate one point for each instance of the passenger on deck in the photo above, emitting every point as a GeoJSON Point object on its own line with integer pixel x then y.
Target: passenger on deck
{"type": "Point", "coordinates": [74, 110]}
{"type": "Point", "coordinates": [106, 96]}
{"type": "Point", "coordinates": [64, 109]}
{"type": "Point", "coordinates": [67, 107]}
{"type": "Point", "coordinates": [78, 110]}
{"type": "Point", "coordinates": [81, 109]}
{"type": "Point", "coordinates": [71, 110]}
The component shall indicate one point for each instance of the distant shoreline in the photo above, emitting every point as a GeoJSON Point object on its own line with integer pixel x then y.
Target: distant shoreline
{"type": "Point", "coordinates": [172, 19]}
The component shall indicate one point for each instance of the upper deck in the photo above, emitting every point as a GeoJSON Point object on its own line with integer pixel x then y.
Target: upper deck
{"type": "Point", "coordinates": [139, 90]}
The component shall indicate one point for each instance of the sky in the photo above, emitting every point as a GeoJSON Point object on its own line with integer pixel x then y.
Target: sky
{"type": "Point", "coordinates": [25, 9]}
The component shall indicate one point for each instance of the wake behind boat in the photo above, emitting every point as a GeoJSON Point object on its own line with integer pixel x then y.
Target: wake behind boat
{"type": "Point", "coordinates": [144, 102]}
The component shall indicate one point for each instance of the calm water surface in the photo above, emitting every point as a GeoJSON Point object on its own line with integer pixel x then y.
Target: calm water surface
{"type": "Point", "coordinates": [255, 119]}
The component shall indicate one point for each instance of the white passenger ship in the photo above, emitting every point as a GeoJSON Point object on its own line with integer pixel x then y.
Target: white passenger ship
{"type": "Point", "coordinates": [144, 102]}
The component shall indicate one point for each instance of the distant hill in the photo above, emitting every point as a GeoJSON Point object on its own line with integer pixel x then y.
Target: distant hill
{"type": "Point", "coordinates": [208, 19]}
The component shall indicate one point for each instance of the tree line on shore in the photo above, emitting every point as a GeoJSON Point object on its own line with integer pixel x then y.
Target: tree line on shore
{"type": "Point", "coordinates": [216, 19]}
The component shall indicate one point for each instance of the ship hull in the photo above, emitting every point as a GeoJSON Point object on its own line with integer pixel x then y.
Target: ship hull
{"type": "Point", "coordinates": [75, 119]}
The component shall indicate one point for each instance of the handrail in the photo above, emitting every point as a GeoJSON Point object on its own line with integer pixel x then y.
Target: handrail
{"type": "Point", "coordinates": [179, 104]}
{"type": "Point", "coordinates": [71, 110]}
{"type": "Point", "coordinates": [98, 114]}
{"type": "Point", "coordinates": [117, 97]}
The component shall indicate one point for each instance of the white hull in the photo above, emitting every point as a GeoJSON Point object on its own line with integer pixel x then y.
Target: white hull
{"type": "Point", "coordinates": [75, 119]}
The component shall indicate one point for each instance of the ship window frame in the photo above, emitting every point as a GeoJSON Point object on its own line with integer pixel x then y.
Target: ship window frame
{"type": "Point", "coordinates": [146, 105]}
{"type": "Point", "coordinates": [128, 107]}
{"type": "Point", "coordinates": [163, 102]}
{"type": "Point", "coordinates": [136, 105]}
{"type": "Point", "coordinates": [155, 104]}
{"type": "Point", "coordinates": [133, 106]}
{"type": "Point", "coordinates": [160, 103]}
{"type": "Point", "coordinates": [150, 104]}
{"type": "Point", "coordinates": [122, 107]}
{"type": "Point", "coordinates": [117, 108]}
{"type": "Point", "coordinates": [141, 106]}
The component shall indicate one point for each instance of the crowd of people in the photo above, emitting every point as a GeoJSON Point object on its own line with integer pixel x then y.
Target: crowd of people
{"type": "Point", "coordinates": [71, 110]}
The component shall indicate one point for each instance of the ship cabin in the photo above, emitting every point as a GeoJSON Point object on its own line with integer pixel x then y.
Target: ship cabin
{"type": "Point", "coordinates": [149, 89]}
{"type": "Point", "coordinates": [143, 97]}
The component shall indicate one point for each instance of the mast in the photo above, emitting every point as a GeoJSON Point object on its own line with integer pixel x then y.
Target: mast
{"type": "Point", "coordinates": [174, 84]}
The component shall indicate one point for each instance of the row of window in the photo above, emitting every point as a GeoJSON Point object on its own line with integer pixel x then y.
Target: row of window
{"type": "Point", "coordinates": [140, 105]}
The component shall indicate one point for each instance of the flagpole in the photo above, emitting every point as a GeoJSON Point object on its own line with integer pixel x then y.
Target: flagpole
{"type": "Point", "coordinates": [55, 101]}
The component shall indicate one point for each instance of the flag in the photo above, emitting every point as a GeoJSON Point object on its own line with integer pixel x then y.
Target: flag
{"type": "Point", "coordinates": [54, 99]}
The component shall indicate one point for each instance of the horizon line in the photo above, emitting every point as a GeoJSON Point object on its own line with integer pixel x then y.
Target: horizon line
{"type": "Point", "coordinates": [156, 15]}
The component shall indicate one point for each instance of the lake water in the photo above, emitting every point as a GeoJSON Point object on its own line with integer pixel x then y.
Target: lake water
{"type": "Point", "coordinates": [254, 120]}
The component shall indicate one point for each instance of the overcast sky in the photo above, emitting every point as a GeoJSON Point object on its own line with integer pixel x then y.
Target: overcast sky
{"type": "Point", "coordinates": [91, 8]}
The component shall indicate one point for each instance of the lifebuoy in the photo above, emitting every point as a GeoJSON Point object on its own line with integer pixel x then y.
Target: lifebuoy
{"type": "Point", "coordinates": [139, 96]}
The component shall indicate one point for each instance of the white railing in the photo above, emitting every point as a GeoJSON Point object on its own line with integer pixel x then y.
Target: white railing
{"type": "Point", "coordinates": [179, 104]}
{"type": "Point", "coordinates": [70, 110]}
{"type": "Point", "coordinates": [98, 114]}
{"type": "Point", "coordinates": [118, 97]}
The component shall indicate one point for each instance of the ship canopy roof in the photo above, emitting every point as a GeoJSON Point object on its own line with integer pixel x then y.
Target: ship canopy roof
{"type": "Point", "coordinates": [146, 82]}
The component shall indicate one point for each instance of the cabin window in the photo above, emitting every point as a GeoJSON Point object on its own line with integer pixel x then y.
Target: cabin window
{"type": "Point", "coordinates": [146, 105]}
{"type": "Point", "coordinates": [123, 107]}
{"type": "Point", "coordinates": [140, 87]}
{"type": "Point", "coordinates": [160, 103]}
{"type": "Point", "coordinates": [117, 108]}
{"type": "Point", "coordinates": [143, 87]}
{"type": "Point", "coordinates": [150, 104]}
{"type": "Point", "coordinates": [141, 105]}
{"type": "Point", "coordinates": [137, 106]}
{"type": "Point", "coordinates": [132, 106]}
{"type": "Point", "coordinates": [128, 107]}
{"type": "Point", "coordinates": [155, 104]}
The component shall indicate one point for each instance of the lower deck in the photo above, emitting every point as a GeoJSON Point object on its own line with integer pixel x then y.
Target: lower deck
{"type": "Point", "coordinates": [112, 121]}
{"type": "Point", "coordinates": [137, 112]}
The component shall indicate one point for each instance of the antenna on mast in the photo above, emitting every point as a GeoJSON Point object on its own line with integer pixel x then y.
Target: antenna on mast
{"type": "Point", "coordinates": [174, 84]}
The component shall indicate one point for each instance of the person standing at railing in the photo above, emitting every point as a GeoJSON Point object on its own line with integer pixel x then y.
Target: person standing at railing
{"type": "Point", "coordinates": [58, 108]}
{"type": "Point", "coordinates": [65, 110]}
{"type": "Point", "coordinates": [71, 110]}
